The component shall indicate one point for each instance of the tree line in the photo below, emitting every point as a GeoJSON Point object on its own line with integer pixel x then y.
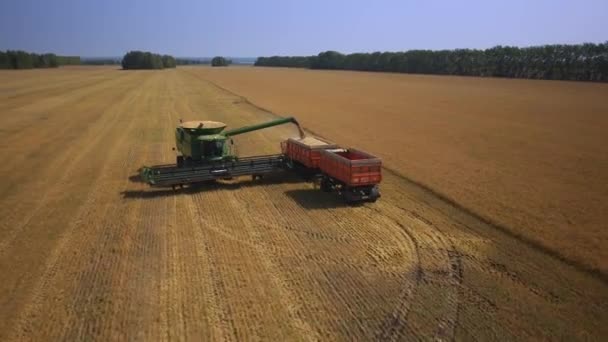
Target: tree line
{"type": "Point", "coordinates": [192, 61]}
{"type": "Point", "coordinates": [215, 61]}
{"type": "Point", "coordinates": [25, 60]}
{"type": "Point", "coordinates": [147, 60]}
{"type": "Point", "coordinates": [101, 61]}
{"type": "Point", "coordinates": [118, 61]}
{"type": "Point", "coordinates": [220, 61]}
{"type": "Point", "coordinates": [581, 62]}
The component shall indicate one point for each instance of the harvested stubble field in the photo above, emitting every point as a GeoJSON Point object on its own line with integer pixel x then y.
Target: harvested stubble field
{"type": "Point", "coordinates": [88, 253]}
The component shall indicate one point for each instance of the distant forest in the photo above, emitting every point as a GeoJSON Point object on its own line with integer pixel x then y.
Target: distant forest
{"type": "Point", "coordinates": [101, 60]}
{"type": "Point", "coordinates": [192, 61]}
{"type": "Point", "coordinates": [147, 60]}
{"type": "Point", "coordinates": [582, 62]}
{"type": "Point", "coordinates": [25, 60]}
{"type": "Point", "coordinates": [118, 61]}
{"type": "Point", "coordinates": [219, 61]}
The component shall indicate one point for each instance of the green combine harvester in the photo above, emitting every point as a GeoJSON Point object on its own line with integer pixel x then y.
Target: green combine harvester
{"type": "Point", "coordinates": [205, 153]}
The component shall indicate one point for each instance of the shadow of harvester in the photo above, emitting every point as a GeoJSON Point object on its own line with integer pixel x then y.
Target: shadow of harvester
{"type": "Point", "coordinates": [316, 199]}
{"type": "Point", "coordinates": [308, 198]}
{"type": "Point", "coordinates": [224, 185]}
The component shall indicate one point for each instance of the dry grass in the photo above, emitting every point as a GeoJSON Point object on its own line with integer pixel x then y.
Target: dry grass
{"type": "Point", "coordinates": [88, 254]}
{"type": "Point", "coordinates": [528, 155]}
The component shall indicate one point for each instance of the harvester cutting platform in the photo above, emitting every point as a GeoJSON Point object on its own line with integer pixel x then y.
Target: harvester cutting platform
{"type": "Point", "coordinates": [206, 153]}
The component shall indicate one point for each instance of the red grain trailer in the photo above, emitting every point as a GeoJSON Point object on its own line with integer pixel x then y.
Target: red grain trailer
{"type": "Point", "coordinates": [353, 173]}
{"type": "Point", "coordinates": [306, 151]}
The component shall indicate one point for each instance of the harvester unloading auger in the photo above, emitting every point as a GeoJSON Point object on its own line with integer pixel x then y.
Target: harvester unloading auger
{"type": "Point", "coordinates": [206, 153]}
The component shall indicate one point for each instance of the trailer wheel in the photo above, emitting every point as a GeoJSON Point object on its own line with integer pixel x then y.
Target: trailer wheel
{"type": "Point", "coordinates": [349, 197]}
{"type": "Point", "coordinates": [325, 186]}
{"type": "Point", "coordinates": [374, 193]}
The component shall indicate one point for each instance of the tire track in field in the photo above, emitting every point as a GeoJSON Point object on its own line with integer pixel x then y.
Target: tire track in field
{"type": "Point", "coordinates": [222, 247]}
{"type": "Point", "coordinates": [187, 291]}
{"type": "Point", "coordinates": [448, 275]}
{"type": "Point", "coordinates": [170, 319]}
{"type": "Point", "coordinates": [454, 266]}
{"type": "Point", "coordinates": [58, 171]}
{"type": "Point", "coordinates": [51, 92]}
{"type": "Point", "coordinates": [44, 229]}
{"type": "Point", "coordinates": [200, 267]}
{"type": "Point", "coordinates": [507, 231]}
{"type": "Point", "coordinates": [66, 138]}
{"type": "Point", "coordinates": [352, 247]}
{"type": "Point", "coordinates": [221, 314]}
{"type": "Point", "coordinates": [218, 225]}
{"type": "Point", "coordinates": [532, 278]}
{"type": "Point", "coordinates": [198, 221]}
{"type": "Point", "coordinates": [59, 263]}
{"type": "Point", "coordinates": [445, 329]}
{"type": "Point", "coordinates": [497, 270]}
{"type": "Point", "coordinates": [435, 267]}
{"type": "Point", "coordinates": [394, 325]}
{"type": "Point", "coordinates": [50, 77]}
{"type": "Point", "coordinates": [262, 237]}
{"type": "Point", "coordinates": [59, 114]}
{"type": "Point", "coordinates": [192, 282]}
{"type": "Point", "coordinates": [134, 279]}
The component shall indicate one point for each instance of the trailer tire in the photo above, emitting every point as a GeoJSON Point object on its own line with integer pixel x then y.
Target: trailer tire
{"type": "Point", "coordinates": [374, 193]}
{"type": "Point", "coordinates": [349, 197]}
{"type": "Point", "coordinates": [325, 186]}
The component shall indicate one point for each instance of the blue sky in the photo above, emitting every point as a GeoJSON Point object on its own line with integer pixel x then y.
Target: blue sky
{"type": "Point", "coordinates": [263, 28]}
